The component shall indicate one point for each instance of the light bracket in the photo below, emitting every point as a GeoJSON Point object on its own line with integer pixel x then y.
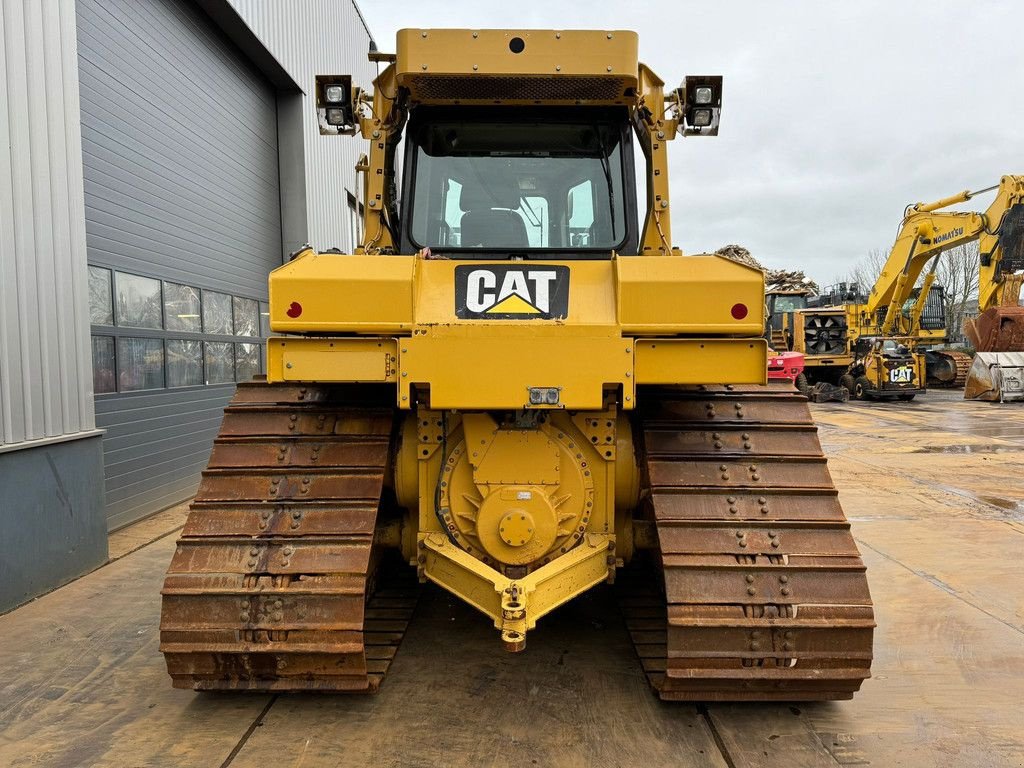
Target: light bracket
{"type": "Point", "coordinates": [335, 105]}
{"type": "Point", "coordinates": [700, 100]}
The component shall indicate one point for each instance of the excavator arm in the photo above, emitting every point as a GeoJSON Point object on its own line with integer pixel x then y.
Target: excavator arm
{"type": "Point", "coordinates": [1002, 247]}
{"type": "Point", "coordinates": [927, 232]}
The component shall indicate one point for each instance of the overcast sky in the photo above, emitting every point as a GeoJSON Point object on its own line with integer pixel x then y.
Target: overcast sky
{"type": "Point", "coordinates": [835, 115]}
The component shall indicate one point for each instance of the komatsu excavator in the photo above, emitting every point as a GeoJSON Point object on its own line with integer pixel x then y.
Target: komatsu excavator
{"type": "Point", "coordinates": [517, 388]}
{"type": "Point", "coordinates": [886, 332]}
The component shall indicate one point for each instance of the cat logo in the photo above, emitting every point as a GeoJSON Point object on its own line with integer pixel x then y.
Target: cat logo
{"type": "Point", "coordinates": [504, 292]}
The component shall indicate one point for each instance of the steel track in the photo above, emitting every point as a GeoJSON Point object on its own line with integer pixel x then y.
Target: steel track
{"type": "Point", "coordinates": [273, 583]}
{"type": "Point", "coordinates": [759, 591]}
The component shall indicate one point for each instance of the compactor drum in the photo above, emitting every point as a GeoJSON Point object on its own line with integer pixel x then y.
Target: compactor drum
{"type": "Point", "coordinates": [513, 389]}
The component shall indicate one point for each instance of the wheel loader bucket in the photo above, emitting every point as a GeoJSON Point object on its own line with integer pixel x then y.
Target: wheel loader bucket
{"type": "Point", "coordinates": [997, 329]}
{"type": "Point", "coordinates": [996, 376]}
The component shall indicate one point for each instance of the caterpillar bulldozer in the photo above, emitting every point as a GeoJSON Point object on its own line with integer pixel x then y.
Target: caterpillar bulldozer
{"type": "Point", "coordinates": [517, 388]}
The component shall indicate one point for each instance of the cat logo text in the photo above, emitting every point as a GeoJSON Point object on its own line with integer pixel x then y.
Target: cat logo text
{"type": "Point", "coordinates": [506, 292]}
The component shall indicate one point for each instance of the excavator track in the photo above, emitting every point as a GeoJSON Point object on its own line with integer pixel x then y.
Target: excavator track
{"type": "Point", "coordinates": [759, 591]}
{"type": "Point", "coordinates": [274, 584]}
{"type": "Point", "coordinates": [963, 363]}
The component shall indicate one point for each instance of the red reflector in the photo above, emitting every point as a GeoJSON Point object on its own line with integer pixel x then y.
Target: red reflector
{"type": "Point", "coordinates": [296, 309]}
{"type": "Point", "coordinates": [739, 311]}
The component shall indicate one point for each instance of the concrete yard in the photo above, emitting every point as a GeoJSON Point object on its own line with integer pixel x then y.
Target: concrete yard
{"type": "Point", "coordinates": [935, 490]}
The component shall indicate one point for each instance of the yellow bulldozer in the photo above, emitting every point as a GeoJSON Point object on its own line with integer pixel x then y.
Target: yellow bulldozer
{"type": "Point", "coordinates": [517, 388]}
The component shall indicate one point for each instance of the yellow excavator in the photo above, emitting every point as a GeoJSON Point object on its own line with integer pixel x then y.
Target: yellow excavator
{"type": "Point", "coordinates": [884, 334]}
{"type": "Point", "coordinates": [517, 388]}
{"type": "Point", "coordinates": [998, 332]}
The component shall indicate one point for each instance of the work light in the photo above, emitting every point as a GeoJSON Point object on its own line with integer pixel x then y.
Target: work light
{"type": "Point", "coordinates": [700, 105]}
{"type": "Point", "coordinates": [335, 107]}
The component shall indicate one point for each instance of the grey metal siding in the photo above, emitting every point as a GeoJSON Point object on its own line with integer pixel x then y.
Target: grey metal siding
{"type": "Point", "coordinates": [179, 136]}
{"type": "Point", "coordinates": [311, 37]}
{"type": "Point", "coordinates": [179, 140]}
{"type": "Point", "coordinates": [45, 374]}
{"type": "Point", "coordinates": [155, 446]}
{"type": "Point", "coordinates": [51, 520]}
{"type": "Point", "coordinates": [52, 526]}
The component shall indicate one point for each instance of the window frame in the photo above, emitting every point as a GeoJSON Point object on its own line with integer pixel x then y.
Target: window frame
{"type": "Point", "coordinates": [117, 332]}
{"type": "Point", "coordinates": [616, 116]}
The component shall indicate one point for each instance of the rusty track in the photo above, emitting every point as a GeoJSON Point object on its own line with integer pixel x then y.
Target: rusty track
{"type": "Point", "coordinates": [963, 363]}
{"type": "Point", "coordinates": [764, 591]}
{"type": "Point", "coordinates": [272, 585]}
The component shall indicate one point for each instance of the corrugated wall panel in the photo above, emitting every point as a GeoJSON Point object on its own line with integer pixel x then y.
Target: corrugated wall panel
{"type": "Point", "coordinates": [311, 37]}
{"type": "Point", "coordinates": [180, 147]}
{"type": "Point", "coordinates": [180, 144]}
{"type": "Point", "coordinates": [156, 445]}
{"type": "Point", "coordinates": [45, 369]}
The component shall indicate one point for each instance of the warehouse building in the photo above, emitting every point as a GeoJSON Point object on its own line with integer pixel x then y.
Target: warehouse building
{"type": "Point", "coordinates": [161, 158]}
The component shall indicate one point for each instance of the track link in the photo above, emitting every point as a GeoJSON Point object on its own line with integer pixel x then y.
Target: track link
{"type": "Point", "coordinates": [963, 363]}
{"type": "Point", "coordinates": [764, 594]}
{"type": "Point", "coordinates": [960, 363]}
{"type": "Point", "coordinates": [273, 584]}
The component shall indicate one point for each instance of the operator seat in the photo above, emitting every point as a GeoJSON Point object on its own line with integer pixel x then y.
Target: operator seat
{"type": "Point", "coordinates": [489, 218]}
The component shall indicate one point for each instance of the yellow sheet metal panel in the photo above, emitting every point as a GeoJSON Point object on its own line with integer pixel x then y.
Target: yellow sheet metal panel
{"type": "Point", "coordinates": [334, 293]}
{"type": "Point", "coordinates": [701, 361]}
{"type": "Point", "coordinates": [487, 367]}
{"type": "Point", "coordinates": [518, 66]}
{"type": "Point", "coordinates": [332, 360]}
{"type": "Point", "coordinates": [689, 294]}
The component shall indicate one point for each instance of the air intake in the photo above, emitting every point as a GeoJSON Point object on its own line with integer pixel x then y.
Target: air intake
{"type": "Point", "coordinates": [484, 89]}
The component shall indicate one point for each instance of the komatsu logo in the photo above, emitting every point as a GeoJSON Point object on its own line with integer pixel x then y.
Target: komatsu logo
{"type": "Point", "coordinates": [503, 292]}
{"type": "Point", "coordinates": [949, 235]}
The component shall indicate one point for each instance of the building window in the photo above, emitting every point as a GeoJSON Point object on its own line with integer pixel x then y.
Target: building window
{"type": "Point", "coordinates": [246, 314]}
{"type": "Point", "coordinates": [182, 308]}
{"type": "Point", "coordinates": [217, 313]}
{"type": "Point", "coordinates": [101, 305]}
{"type": "Point", "coordinates": [220, 362]}
{"type": "Point", "coordinates": [247, 361]}
{"type": "Point", "coordinates": [184, 363]}
{"type": "Point", "coordinates": [104, 375]}
{"type": "Point", "coordinates": [153, 354]}
{"type": "Point", "coordinates": [140, 364]}
{"type": "Point", "coordinates": [138, 301]}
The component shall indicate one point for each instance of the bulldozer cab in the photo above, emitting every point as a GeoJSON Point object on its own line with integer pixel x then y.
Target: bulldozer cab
{"type": "Point", "coordinates": [504, 182]}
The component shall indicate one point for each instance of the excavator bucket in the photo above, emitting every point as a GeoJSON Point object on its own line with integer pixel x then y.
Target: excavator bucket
{"type": "Point", "coordinates": [996, 376]}
{"type": "Point", "coordinates": [997, 329]}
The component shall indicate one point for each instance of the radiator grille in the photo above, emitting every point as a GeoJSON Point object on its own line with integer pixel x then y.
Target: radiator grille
{"type": "Point", "coordinates": [570, 88]}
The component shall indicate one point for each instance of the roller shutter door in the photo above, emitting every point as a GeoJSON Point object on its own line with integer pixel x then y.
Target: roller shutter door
{"type": "Point", "coordinates": [179, 140]}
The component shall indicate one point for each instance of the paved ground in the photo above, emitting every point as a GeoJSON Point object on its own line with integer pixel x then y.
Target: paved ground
{"type": "Point", "coordinates": [935, 488]}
